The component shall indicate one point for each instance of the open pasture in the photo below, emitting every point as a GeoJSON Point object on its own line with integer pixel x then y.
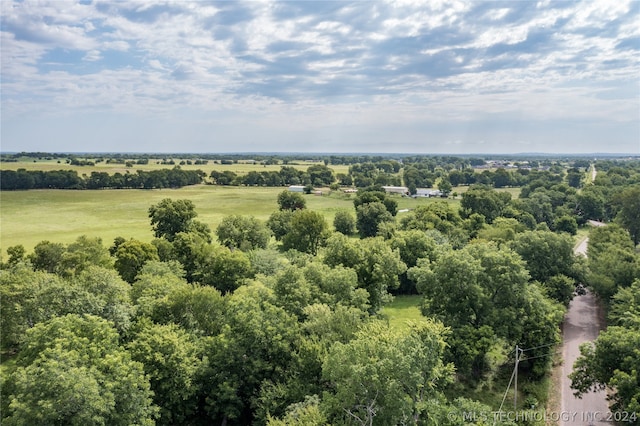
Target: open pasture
{"type": "Point", "coordinates": [242, 167]}
{"type": "Point", "coordinates": [28, 217]}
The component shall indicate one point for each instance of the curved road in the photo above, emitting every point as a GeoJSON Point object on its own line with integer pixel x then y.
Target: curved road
{"type": "Point", "coordinates": [581, 324]}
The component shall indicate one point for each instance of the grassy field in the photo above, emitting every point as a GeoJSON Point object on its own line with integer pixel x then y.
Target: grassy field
{"type": "Point", "coordinates": [28, 217]}
{"type": "Point", "coordinates": [240, 168]}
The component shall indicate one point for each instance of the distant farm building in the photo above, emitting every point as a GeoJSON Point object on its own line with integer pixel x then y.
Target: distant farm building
{"type": "Point", "coordinates": [350, 191]}
{"type": "Point", "coordinates": [296, 188]}
{"type": "Point", "coordinates": [403, 190]}
{"type": "Point", "coordinates": [428, 192]}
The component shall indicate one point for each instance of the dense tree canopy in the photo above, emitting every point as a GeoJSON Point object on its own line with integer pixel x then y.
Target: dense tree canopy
{"type": "Point", "coordinates": [184, 330]}
{"type": "Point", "coordinates": [243, 232]}
{"type": "Point", "coordinates": [385, 377]}
{"type": "Point", "coordinates": [72, 371]}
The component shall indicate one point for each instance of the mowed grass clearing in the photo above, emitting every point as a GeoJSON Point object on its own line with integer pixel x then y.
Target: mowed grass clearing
{"type": "Point", "coordinates": [403, 309]}
{"type": "Point", "coordinates": [61, 216]}
{"type": "Point", "coordinates": [28, 217]}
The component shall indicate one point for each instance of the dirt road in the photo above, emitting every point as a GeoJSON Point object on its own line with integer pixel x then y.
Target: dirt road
{"type": "Point", "coordinates": [581, 324]}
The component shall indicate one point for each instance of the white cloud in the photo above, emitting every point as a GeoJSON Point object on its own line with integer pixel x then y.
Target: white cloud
{"type": "Point", "coordinates": [301, 65]}
{"type": "Point", "coordinates": [92, 56]}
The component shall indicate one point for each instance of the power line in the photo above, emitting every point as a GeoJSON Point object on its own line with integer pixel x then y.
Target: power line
{"type": "Point", "coordinates": [543, 355]}
{"type": "Point", "coordinates": [538, 347]}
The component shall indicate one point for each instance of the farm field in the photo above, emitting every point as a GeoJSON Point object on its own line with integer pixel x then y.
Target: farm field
{"type": "Point", "coordinates": [28, 217]}
{"type": "Point", "coordinates": [240, 168]}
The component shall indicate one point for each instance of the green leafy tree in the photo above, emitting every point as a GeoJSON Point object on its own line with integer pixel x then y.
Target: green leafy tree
{"type": "Point", "coordinates": [385, 377]}
{"type": "Point", "coordinates": [153, 284]}
{"type": "Point", "coordinates": [170, 217]}
{"type": "Point", "coordinates": [370, 217]}
{"type": "Point", "coordinates": [625, 306]}
{"type": "Point", "coordinates": [116, 243]}
{"type": "Point", "coordinates": [29, 297]}
{"type": "Point", "coordinates": [344, 222]}
{"type": "Point", "coordinates": [438, 215]}
{"type": "Point", "coordinates": [307, 232]}
{"type": "Point", "coordinates": [243, 232]}
{"type": "Point", "coordinates": [82, 253]}
{"type": "Point", "coordinates": [109, 295]}
{"type": "Point", "coordinates": [72, 371]}
{"type": "Point", "coordinates": [376, 264]}
{"type": "Point", "coordinates": [546, 253]}
{"type": "Point", "coordinates": [613, 262]}
{"type": "Point", "coordinates": [266, 262]}
{"type": "Point", "coordinates": [611, 362]}
{"type": "Point", "coordinates": [559, 288]}
{"type": "Point", "coordinates": [574, 177]}
{"type": "Point", "coordinates": [223, 269]}
{"type": "Point", "coordinates": [192, 251]}
{"type": "Point", "coordinates": [336, 285]}
{"type": "Point", "coordinates": [566, 224]}
{"type": "Point", "coordinates": [307, 413]}
{"type": "Point", "coordinates": [47, 256]}
{"type": "Point", "coordinates": [540, 205]}
{"type": "Point", "coordinates": [16, 254]}
{"type": "Point", "coordinates": [590, 203]}
{"type": "Point", "coordinates": [19, 288]}
{"type": "Point", "coordinates": [483, 285]}
{"type": "Point", "coordinates": [292, 290]}
{"type": "Point", "coordinates": [627, 203]}
{"type": "Point", "coordinates": [484, 201]}
{"type": "Point", "coordinates": [280, 223]}
{"type": "Point", "coordinates": [413, 245]}
{"type": "Point", "coordinates": [291, 201]}
{"type": "Point", "coordinates": [257, 344]}
{"type": "Point", "coordinates": [320, 175]}
{"type": "Point", "coordinates": [198, 309]}
{"type": "Point", "coordinates": [170, 358]}
{"type": "Point", "coordinates": [131, 256]}
{"type": "Point", "coordinates": [445, 186]}
{"type": "Point", "coordinates": [375, 195]}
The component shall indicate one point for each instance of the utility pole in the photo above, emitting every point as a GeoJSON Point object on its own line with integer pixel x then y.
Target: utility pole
{"type": "Point", "coordinates": [515, 391]}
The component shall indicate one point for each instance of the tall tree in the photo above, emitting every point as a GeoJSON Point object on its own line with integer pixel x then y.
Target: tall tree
{"type": "Point", "coordinates": [628, 206]}
{"type": "Point", "coordinates": [82, 253]}
{"type": "Point", "coordinates": [484, 200]}
{"type": "Point", "coordinates": [243, 232]}
{"type": "Point", "coordinates": [344, 222]}
{"type": "Point", "coordinates": [288, 200]}
{"type": "Point", "coordinates": [170, 217]}
{"type": "Point", "coordinates": [47, 256]}
{"type": "Point", "coordinates": [72, 371]}
{"type": "Point", "coordinates": [131, 257]}
{"type": "Point", "coordinates": [370, 217]}
{"type": "Point", "coordinates": [376, 264]}
{"type": "Point", "coordinates": [546, 253]}
{"type": "Point", "coordinates": [486, 285]}
{"type": "Point", "coordinates": [171, 359]}
{"type": "Point", "coordinates": [307, 232]}
{"type": "Point", "coordinates": [384, 376]}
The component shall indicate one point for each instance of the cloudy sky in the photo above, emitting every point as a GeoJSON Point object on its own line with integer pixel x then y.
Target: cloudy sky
{"type": "Point", "coordinates": [321, 76]}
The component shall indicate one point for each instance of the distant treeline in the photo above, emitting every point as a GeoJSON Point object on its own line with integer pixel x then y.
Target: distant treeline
{"type": "Point", "coordinates": [227, 158]}
{"type": "Point", "coordinates": [69, 179]}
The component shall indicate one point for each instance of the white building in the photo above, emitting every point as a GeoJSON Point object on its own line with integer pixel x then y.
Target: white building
{"type": "Point", "coordinates": [428, 192]}
{"type": "Point", "coordinates": [296, 188]}
{"type": "Point", "coordinates": [396, 190]}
